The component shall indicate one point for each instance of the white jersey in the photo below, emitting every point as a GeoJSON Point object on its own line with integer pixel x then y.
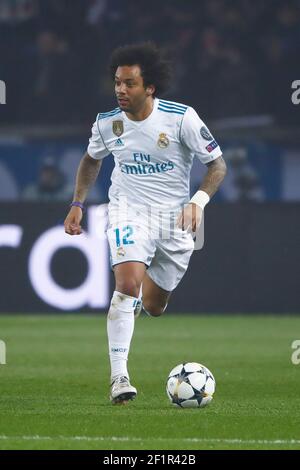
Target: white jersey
{"type": "Point", "coordinates": [153, 157]}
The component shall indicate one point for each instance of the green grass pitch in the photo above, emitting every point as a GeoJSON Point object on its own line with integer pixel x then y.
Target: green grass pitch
{"type": "Point", "coordinates": [54, 387]}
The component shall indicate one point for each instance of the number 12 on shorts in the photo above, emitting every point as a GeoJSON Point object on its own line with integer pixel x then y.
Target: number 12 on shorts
{"type": "Point", "coordinates": [126, 234]}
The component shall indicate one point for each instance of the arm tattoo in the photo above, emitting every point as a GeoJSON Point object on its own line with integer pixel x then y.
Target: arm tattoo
{"type": "Point", "coordinates": [87, 173]}
{"type": "Point", "coordinates": [214, 176]}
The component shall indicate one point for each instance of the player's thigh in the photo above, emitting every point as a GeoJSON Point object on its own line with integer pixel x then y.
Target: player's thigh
{"type": "Point", "coordinates": [130, 252]}
{"type": "Point", "coordinates": [129, 276]}
{"type": "Point", "coordinates": [155, 298]}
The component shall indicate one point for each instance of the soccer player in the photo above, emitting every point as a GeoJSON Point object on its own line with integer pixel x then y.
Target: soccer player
{"type": "Point", "coordinates": [153, 142]}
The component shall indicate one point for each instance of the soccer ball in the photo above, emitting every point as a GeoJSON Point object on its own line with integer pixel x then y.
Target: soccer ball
{"type": "Point", "coordinates": [190, 385]}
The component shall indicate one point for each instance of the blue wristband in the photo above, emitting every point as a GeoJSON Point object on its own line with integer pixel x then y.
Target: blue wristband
{"type": "Point", "coordinates": [77, 204]}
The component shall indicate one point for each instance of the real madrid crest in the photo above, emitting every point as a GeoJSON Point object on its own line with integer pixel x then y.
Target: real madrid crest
{"type": "Point", "coordinates": [120, 251]}
{"type": "Point", "coordinates": [118, 128]}
{"type": "Point", "coordinates": [163, 141]}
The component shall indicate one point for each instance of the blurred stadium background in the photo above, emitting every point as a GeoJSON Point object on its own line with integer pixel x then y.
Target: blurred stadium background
{"type": "Point", "coordinates": [234, 62]}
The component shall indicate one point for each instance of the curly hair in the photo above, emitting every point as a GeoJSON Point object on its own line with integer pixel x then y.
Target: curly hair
{"type": "Point", "coordinates": [155, 70]}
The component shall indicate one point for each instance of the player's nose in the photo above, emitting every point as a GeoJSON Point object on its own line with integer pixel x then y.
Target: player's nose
{"type": "Point", "coordinates": [121, 89]}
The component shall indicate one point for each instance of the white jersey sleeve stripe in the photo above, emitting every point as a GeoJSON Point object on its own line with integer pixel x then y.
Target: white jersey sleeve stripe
{"type": "Point", "coordinates": [109, 114]}
{"type": "Point", "coordinates": [174, 111]}
{"type": "Point", "coordinates": [97, 148]}
{"type": "Point", "coordinates": [172, 104]}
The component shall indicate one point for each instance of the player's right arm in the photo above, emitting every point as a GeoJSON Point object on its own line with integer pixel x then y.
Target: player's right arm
{"type": "Point", "coordinates": [87, 173]}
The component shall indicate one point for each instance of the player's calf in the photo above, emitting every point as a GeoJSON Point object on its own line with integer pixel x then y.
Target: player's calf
{"type": "Point", "coordinates": [150, 309]}
{"type": "Point", "coordinates": [153, 300]}
{"type": "Point", "coordinates": [153, 309]}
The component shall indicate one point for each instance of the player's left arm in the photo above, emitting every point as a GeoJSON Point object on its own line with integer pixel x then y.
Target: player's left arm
{"type": "Point", "coordinates": [216, 171]}
{"type": "Point", "coordinates": [199, 140]}
{"type": "Point", "coordinates": [191, 216]}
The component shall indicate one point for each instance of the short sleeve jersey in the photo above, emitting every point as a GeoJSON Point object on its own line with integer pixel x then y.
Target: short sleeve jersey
{"type": "Point", "coordinates": [153, 157]}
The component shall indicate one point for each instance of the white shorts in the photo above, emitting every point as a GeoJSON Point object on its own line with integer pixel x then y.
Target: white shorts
{"type": "Point", "coordinates": [167, 257]}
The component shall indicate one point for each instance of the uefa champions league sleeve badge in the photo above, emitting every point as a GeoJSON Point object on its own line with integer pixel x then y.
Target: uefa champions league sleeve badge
{"type": "Point", "coordinates": [205, 133]}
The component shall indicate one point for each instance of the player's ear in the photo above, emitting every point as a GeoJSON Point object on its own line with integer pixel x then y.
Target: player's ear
{"type": "Point", "coordinates": [150, 90]}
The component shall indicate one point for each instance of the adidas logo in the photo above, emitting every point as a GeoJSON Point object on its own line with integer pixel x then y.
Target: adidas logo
{"type": "Point", "coordinates": [119, 143]}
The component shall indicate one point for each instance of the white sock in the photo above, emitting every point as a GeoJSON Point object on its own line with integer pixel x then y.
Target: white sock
{"type": "Point", "coordinates": [120, 325]}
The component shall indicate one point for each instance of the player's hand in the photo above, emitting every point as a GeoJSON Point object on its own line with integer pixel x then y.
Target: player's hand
{"type": "Point", "coordinates": [190, 218]}
{"type": "Point", "coordinates": [72, 221]}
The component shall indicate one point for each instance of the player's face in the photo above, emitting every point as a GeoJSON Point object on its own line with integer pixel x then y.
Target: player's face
{"type": "Point", "coordinates": [129, 88]}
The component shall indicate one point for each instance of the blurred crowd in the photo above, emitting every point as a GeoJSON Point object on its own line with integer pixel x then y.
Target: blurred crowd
{"type": "Point", "coordinates": [231, 57]}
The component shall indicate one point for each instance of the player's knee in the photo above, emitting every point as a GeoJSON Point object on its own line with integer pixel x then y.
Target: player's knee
{"type": "Point", "coordinates": [153, 309]}
{"type": "Point", "coordinates": [121, 306]}
{"type": "Point", "coordinates": [129, 287]}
